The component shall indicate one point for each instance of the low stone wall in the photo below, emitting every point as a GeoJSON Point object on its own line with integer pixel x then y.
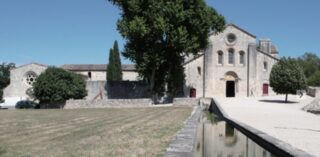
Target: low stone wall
{"type": "Point", "coordinates": [116, 103]}
{"type": "Point", "coordinates": [186, 141]}
{"type": "Point", "coordinates": [185, 101]}
{"type": "Point", "coordinates": [313, 91]}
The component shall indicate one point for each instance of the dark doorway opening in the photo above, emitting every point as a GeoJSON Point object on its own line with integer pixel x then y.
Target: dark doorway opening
{"type": "Point", "coordinates": [193, 93]}
{"type": "Point", "coordinates": [230, 89]}
{"type": "Point", "coordinates": [265, 89]}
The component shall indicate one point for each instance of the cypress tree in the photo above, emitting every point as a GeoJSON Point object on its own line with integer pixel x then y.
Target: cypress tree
{"type": "Point", "coordinates": [114, 70]}
{"type": "Point", "coordinates": [117, 62]}
{"type": "Point", "coordinates": [110, 67]}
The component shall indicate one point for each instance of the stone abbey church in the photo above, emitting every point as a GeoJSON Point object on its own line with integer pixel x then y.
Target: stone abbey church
{"type": "Point", "coordinates": [235, 64]}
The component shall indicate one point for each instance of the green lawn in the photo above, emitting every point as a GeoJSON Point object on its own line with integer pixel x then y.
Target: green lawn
{"type": "Point", "coordinates": [89, 132]}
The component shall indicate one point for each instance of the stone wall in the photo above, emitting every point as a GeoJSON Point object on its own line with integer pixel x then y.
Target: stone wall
{"type": "Point", "coordinates": [313, 91]}
{"type": "Point", "coordinates": [94, 88]}
{"type": "Point", "coordinates": [116, 103]}
{"type": "Point", "coordinates": [185, 101]}
{"type": "Point", "coordinates": [127, 90]}
{"type": "Point", "coordinates": [194, 76]}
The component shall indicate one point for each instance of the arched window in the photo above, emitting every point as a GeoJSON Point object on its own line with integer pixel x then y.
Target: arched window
{"type": "Point", "coordinates": [231, 56]}
{"type": "Point", "coordinates": [220, 57]}
{"type": "Point", "coordinates": [89, 74]}
{"type": "Point", "coordinates": [265, 65]}
{"type": "Point", "coordinates": [242, 57]}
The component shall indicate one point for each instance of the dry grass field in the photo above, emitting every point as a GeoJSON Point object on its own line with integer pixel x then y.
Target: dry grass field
{"type": "Point", "coordinates": [89, 132]}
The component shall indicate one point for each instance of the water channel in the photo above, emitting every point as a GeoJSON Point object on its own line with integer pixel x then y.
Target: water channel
{"type": "Point", "coordinates": [220, 139]}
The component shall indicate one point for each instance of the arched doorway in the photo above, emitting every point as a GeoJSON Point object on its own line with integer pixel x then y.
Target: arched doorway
{"type": "Point", "coordinates": [193, 93]}
{"type": "Point", "coordinates": [231, 82]}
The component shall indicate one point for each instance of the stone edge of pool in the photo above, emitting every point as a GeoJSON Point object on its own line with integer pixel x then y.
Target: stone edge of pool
{"type": "Point", "coordinates": [276, 146]}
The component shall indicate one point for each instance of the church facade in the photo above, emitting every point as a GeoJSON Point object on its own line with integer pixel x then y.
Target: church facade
{"type": "Point", "coordinates": [234, 65]}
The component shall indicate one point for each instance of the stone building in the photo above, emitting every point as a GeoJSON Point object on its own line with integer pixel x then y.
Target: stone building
{"type": "Point", "coordinates": [22, 77]}
{"type": "Point", "coordinates": [233, 65]}
{"type": "Point", "coordinates": [97, 72]}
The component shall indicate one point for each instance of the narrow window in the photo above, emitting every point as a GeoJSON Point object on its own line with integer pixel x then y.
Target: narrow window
{"type": "Point", "coordinates": [89, 74]}
{"type": "Point", "coordinates": [265, 65]}
{"type": "Point", "coordinates": [220, 57]}
{"type": "Point", "coordinates": [241, 53]}
{"type": "Point", "coordinates": [231, 56]}
{"type": "Point", "coordinates": [199, 70]}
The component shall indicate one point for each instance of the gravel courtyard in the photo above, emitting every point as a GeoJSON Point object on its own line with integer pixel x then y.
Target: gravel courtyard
{"type": "Point", "coordinates": [89, 132]}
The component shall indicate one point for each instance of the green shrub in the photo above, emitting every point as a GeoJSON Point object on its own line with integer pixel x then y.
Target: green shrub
{"type": "Point", "coordinates": [314, 80]}
{"type": "Point", "coordinates": [1, 95]}
{"type": "Point", "coordinates": [57, 85]}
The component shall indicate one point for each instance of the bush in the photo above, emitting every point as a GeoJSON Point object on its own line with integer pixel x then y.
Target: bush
{"type": "Point", "coordinates": [314, 80]}
{"type": "Point", "coordinates": [57, 85]}
{"type": "Point", "coordinates": [26, 104]}
{"type": "Point", "coordinates": [1, 94]}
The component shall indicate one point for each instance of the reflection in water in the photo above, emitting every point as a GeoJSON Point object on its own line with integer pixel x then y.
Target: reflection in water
{"type": "Point", "coordinates": [223, 140]}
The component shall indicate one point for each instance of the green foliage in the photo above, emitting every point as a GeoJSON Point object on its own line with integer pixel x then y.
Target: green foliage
{"type": "Point", "coordinates": [287, 77]}
{"type": "Point", "coordinates": [5, 74]}
{"type": "Point", "coordinates": [161, 33]}
{"type": "Point", "coordinates": [1, 96]}
{"type": "Point", "coordinates": [310, 63]}
{"type": "Point", "coordinates": [56, 85]}
{"type": "Point", "coordinates": [114, 70]}
{"type": "Point", "coordinates": [314, 80]}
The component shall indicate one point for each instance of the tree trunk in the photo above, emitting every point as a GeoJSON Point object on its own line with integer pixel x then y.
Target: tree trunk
{"type": "Point", "coordinates": [154, 96]}
{"type": "Point", "coordinates": [286, 98]}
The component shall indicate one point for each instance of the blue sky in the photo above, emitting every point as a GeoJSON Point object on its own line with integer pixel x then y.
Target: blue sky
{"type": "Point", "coordinates": [57, 32]}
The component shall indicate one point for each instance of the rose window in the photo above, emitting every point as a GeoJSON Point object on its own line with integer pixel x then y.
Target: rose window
{"type": "Point", "coordinates": [30, 78]}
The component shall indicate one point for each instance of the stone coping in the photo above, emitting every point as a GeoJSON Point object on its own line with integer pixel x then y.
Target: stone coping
{"type": "Point", "coordinates": [275, 146]}
{"type": "Point", "coordinates": [184, 144]}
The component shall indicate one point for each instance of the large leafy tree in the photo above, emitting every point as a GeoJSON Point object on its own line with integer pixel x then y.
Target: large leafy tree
{"type": "Point", "coordinates": [57, 85]}
{"type": "Point", "coordinates": [114, 70]}
{"type": "Point", "coordinates": [310, 63]}
{"type": "Point", "coordinates": [160, 33]}
{"type": "Point", "coordinates": [5, 76]}
{"type": "Point", "coordinates": [314, 80]}
{"type": "Point", "coordinates": [287, 77]}
{"type": "Point", "coordinates": [1, 94]}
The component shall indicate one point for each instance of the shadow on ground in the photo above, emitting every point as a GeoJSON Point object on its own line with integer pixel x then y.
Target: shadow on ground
{"type": "Point", "coordinates": [279, 101]}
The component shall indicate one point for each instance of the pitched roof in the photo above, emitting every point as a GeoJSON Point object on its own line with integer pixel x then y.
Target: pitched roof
{"type": "Point", "coordinates": [95, 67]}
{"type": "Point", "coordinates": [242, 30]}
{"type": "Point", "coordinates": [30, 64]}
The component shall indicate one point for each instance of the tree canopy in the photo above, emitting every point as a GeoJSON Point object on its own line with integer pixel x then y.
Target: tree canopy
{"type": "Point", "coordinates": [5, 77]}
{"type": "Point", "coordinates": [1, 95]}
{"type": "Point", "coordinates": [159, 34]}
{"type": "Point", "coordinates": [310, 63]}
{"type": "Point", "coordinates": [5, 74]}
{"type": "Point", "coordinates": [114, 70]}
{"type": "Point", "coordinates": [57, 85]}
{"type": "Point", "coordinates": [287, 77]}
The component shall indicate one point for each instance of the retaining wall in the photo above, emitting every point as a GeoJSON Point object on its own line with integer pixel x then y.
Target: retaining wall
{"type": "Point", "coordinates": [185, 101]}
{"type": "Point", "coordinates": [117, 103]}
{"type": "Point", "coordinates": [313, 91]}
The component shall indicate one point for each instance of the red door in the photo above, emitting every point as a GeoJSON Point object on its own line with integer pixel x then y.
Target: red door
{"type": "Point", "coordinates": [193, 93]}
{"type": "Point", "coordinates": [265, 89]}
